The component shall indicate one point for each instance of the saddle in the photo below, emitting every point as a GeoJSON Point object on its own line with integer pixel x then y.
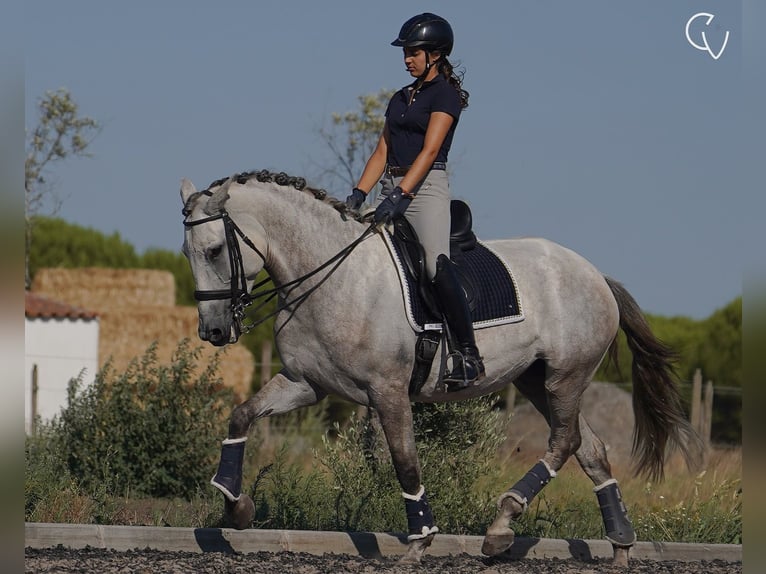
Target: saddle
{"type": "Point", "coordinates": [462, 238]}
{"type": "Point", "coordinates": [486, 279]}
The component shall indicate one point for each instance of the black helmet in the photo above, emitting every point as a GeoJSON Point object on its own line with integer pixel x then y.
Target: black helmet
{"type": "Point", "coordinates": [427, 31]}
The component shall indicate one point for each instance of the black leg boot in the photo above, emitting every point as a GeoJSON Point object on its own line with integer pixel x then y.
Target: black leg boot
{"type": "Point", "coordinates": [467, 366]}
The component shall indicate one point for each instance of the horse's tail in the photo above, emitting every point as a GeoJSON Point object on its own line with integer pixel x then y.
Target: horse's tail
{"type": "Point", "coordinates": [660, 422]}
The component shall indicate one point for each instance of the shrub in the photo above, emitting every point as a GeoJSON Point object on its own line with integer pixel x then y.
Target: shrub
{"type": "Point", "coordinates": [148, 430]}
{"type": "Point", "coordinates": [287, 496]}
{"type": "Point", "coordinates": [457, 443]}
{"type": "Point", "coordinates": [51, 493]}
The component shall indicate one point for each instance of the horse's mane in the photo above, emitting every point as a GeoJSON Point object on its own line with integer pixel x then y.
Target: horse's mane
{"type": "Point", "coordinates": [281, 178]}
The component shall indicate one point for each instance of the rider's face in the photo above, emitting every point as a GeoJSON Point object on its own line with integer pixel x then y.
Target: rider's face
{"type": "Point", "coordinates": [415, 60]}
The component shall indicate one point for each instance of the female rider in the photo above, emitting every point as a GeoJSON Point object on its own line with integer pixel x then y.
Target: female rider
{"type": "Point", "coordinates": [411, 159]}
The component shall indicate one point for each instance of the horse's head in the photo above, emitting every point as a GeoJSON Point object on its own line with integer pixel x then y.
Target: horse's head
{"type": "Point", "coordinates": [223, 273]}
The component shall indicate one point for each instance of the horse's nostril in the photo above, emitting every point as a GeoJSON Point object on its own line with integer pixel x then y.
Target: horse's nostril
{"type": "Point", "coordinates": [216, 337]}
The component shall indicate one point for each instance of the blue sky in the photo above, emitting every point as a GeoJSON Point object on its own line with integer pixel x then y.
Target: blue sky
{"type": "Point", "coordinates": [593, 123]}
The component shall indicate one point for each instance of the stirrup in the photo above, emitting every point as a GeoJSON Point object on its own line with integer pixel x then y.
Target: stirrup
{"type": "Point", "coordinates": [467, 370]}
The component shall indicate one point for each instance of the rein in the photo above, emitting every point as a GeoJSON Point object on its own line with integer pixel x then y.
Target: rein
{"type": "Point", "coordinates": [238, 293]}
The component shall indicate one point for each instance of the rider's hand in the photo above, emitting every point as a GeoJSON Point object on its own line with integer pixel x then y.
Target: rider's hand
{"type": "Point", "coordinates": [356, 199]}
{"type": "Point", "coordinates": [395, 204]}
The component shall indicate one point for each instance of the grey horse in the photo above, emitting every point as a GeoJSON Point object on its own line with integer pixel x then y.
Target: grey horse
{"type": "Point", "coordinates": [341, 328]}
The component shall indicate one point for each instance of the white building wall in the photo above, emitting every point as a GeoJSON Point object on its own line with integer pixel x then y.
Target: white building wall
{"type": "Point", "coordinates": [61, 349]}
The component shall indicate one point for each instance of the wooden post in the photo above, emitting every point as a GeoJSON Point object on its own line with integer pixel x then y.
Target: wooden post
{"type": "Point", "coordinates": [265, 423]}
{"type": "Point", "coordinates": [265, 362]}
{"type": "Point", "coordinates": [510, 398]}
{"type": "Point", "coordinates": [35, 388]}
{"type": "Point", "coordinates": [696, 399]}
{"type": "Point", "coordinates": [707, 419]}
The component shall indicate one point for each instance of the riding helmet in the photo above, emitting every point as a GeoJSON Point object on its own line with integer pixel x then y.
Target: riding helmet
{"type": "Point", "coordinates": [427, 31]}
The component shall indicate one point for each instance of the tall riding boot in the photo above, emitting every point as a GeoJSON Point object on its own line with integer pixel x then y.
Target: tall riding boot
{"type": "Point", "coordinates": [467, 366]}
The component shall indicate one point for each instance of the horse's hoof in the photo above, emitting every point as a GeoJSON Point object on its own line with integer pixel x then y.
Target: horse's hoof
{"type": "Point", "coordinates": [416, 549]}
{"type": "Point", "coordinates": [497, 543]}
{"type": "Point", "coordinates": [240, 514]}
{"type": "Point", "coordinates": [621, 555]}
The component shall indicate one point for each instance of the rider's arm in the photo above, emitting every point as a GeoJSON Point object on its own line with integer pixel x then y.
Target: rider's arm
{"type": "Point", "coordinates": [373, 170]}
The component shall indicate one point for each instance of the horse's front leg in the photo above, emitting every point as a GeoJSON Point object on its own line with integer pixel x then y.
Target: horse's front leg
{"type": "Point", "coordinates": [396, 419]}
{"type": "Point", "coordinates": [280, 395]}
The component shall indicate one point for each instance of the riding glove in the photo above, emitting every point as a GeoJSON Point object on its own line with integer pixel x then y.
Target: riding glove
{"type": "Point", "coordinates": [356, 199]}
{"type": "Point", "coordinates": [395, 204]}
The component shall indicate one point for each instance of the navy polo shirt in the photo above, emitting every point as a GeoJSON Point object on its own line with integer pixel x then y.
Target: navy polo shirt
{"type": "Point", "coordinates": [407, 124]}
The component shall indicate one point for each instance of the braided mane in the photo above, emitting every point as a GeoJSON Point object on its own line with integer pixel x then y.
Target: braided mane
{"type": "Point", "coordinates": [281, 178]}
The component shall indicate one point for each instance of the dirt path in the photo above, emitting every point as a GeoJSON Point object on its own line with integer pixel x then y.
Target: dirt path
{"type": "Point", "coordinates": [97, 561]}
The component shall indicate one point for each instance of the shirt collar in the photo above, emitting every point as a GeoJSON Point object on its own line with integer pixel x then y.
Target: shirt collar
{"type": "Point", "coordinates": [437, 79]}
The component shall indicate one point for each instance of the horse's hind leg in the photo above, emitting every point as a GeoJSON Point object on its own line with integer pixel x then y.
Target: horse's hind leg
{"type": "Point", "coordinates": [280, 395]}
{"type": "Point", "coordinates": [592, 458]}
{"type": "Point", "coordinates": [558, 400]}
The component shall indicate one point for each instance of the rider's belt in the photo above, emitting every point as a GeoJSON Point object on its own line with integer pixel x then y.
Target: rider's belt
{"type": "Point", "coordinates": [396, 171]}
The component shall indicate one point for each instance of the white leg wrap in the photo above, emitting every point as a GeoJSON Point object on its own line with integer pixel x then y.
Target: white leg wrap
{"type": "Point", "coordinates": [415, 497]}
{"type": "Point", "coordinates": [605, 484]}
{"type": "Point", "coordinates": [234, 440]}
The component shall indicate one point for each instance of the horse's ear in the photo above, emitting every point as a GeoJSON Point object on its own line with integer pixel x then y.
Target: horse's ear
{"type": "Point", "coordinates": [215, 203]}
{"type": "Point", "coordinates": [187, 189]}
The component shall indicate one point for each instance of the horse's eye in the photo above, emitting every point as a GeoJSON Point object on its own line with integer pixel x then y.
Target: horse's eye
{"type": "Point", "coordinates": [214, 252]}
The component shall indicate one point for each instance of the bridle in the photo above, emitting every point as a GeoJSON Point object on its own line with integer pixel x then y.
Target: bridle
{"type": "Point", "coordinates": [238, 294]}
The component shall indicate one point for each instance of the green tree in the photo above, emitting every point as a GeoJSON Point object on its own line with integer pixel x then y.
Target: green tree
{"type": "Point", "coordinates": [57, 243]}
{"type": "Point", "coordinates": [720, 349]}
{"type": "Point", "coordinates": [60, 133]}
{"type": "Point", "coordinates": [720, 359]}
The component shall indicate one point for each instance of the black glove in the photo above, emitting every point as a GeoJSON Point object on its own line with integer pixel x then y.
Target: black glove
{"type": "Point", "coordinates": [395, 204]}
{"type": "Point", "coordinates": [356, 199]}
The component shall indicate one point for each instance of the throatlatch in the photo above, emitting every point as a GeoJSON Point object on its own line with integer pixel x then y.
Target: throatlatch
{"type": "Point", "coordinates": [228, 479]}
{"type": "Point", "coordinates": [420, 519]}
{"type": "Point", "coordinates": [619, 528]}
{"type": "Point", "coordinates": [530, 484]}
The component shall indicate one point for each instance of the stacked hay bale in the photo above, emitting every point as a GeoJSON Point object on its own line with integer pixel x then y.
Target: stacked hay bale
{"type": "Point", "coordinates": [136, 307]}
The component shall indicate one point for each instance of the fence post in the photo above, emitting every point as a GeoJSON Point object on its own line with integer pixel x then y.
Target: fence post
{"type": "Point", "coordinates": [265, 362]}
{"type": "Point", "coordinates": [696, 399]}
{"type": "Point", "coordinates": [707, 420]}
{"type": "Point", "coordinates": [510, 398]}
{"type": "Point", "coordinates": [265, 422]}
{"type": "Point", "coordinates": [35, 389]}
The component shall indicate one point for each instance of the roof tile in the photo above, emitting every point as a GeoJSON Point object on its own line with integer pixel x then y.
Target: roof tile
{"type": "Point", "coordinates": [39, 307]}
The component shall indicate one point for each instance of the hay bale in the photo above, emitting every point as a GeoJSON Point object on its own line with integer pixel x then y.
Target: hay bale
{"type": "Point", "coordinates": [136, 307]}
{"type": "Point", "coordinates": [98, 288]}
{"type": "Point", "coordinates": [126, 334]}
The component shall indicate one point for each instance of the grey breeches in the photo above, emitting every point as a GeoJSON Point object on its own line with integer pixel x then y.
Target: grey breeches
{"type": "Point", "coordinates": [429, 213]}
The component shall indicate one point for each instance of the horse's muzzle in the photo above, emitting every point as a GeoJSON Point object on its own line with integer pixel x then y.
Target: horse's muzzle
{"type": "Point", "coordinates": [216, 337]}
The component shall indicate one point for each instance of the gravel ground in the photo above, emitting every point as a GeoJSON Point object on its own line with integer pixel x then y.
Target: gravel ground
{"type": "Point", "coordinates": [98, 561]}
